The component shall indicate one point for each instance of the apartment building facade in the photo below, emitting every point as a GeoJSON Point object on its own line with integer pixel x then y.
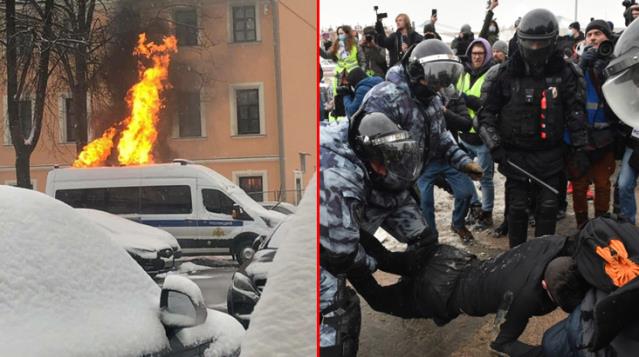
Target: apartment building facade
{"type": "Point", "coordinates": [243, 98]}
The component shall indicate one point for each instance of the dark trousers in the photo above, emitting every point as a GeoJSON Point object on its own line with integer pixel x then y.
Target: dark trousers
{"type": "Point", "coordinates": [546, 204]}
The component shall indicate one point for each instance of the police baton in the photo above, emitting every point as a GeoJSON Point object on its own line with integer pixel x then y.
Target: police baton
{"type": "Point", "coordinates": [533, 177]}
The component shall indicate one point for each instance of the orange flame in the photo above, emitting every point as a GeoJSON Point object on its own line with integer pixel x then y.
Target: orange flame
{"type": "Point", "coordinates": [137, 139]}
{"type": "Point", "coordinates": [97, 151]}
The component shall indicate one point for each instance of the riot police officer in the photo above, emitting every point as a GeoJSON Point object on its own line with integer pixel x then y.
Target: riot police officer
{"type": "Point", "coordinates": [529, 102]}
{"type": "Point", "coordinates": [621, 90]}
{"type": "Point", "coordinates": [366, 170]}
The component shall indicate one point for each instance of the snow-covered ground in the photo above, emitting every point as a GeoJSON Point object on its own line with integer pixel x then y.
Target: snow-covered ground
{"type": "Point", "coordinates": [284, 320]}
{"type": "Point", "coordinates": [443, 216]}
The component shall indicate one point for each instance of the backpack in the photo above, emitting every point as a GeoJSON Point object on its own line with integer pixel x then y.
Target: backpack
{"type": "Point", "coordinates": [607, 253]}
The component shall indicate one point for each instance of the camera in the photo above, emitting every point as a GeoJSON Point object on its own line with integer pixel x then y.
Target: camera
{"type": "Point", "coordinates": [604, 51]}
{"type": "Point", "coordinates": [381, 15]}
{"type": "Point", "coordinates": [369, 38]}
{"type": "Point", "coordinates": [629, 3]}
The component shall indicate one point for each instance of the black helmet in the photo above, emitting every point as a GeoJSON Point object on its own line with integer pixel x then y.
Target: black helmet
{"type": "Point", "coordinates": [537, 37]}
{"type": "Point", "coordinates": [393, 158]}
{"type": "Point", "coordinates": [435, 62]}
{"type": "Point", "coordinates": [621, 88]}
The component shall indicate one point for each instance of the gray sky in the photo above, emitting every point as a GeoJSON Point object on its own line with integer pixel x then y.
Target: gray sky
{"type": "Point", "coordinates": [452, 14]}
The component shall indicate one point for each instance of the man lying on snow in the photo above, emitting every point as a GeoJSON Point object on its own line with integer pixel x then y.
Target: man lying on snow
{"type": "Point", "coordinates": [529, 280]}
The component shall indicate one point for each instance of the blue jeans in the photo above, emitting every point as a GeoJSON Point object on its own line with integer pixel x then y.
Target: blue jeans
{"type": "Point", "coordinates": [486, 182]}
{"type": "Point", "coordinates": [627, 182]}
{"type": "Point", "coordinates": [462, 191]}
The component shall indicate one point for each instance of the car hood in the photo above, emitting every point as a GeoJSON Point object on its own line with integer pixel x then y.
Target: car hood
{"type": "Point", "coordinates": [130, 235]}
{"type": "Point", "coordinates": [66, 289]}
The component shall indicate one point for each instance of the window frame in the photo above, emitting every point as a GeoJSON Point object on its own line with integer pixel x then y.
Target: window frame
{"type": "Point", "coordinates": [197, 25]}
{"type": "Point", "coordinates": [176, 123]}
{"type": "Point", "coordinates": [233, 89]}
{"type": "Point", "coordinates": [236, 175]}
{"type": "Point", "coordinates": [231, 21]}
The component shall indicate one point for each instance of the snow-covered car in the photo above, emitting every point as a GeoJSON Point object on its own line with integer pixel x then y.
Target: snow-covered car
{"type": "Point", "coordinates": [67, 290]}
{"type": "Point", "coordinates": [154, 249]}
{"type": "Point", "coordinates": [281, 207]}
{"type": "Point", "coordinates": [248, 281]}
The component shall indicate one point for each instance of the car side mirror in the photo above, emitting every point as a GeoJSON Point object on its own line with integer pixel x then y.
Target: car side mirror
{"type": "Point", "coordinates": [181, 303]}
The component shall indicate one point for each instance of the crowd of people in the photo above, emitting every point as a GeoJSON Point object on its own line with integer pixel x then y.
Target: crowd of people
{"type": "Point", "coordinates": [406, 112]}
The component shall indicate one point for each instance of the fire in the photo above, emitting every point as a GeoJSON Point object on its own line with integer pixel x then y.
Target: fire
{"type": "Point", "coordinates": [136, 141]}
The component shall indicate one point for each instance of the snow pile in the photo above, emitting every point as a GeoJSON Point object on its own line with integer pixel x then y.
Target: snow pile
{"type": "Point", "coordinates": [188, 267]}
{"type": "Point", "coordinates": [183, 284]}
{"type": "Point", "coordinates": [66, 289]}
{"type": "Point", "coordinates": [284, 320]}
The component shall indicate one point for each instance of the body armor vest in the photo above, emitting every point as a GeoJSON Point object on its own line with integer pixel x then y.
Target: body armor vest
{"type": "Point", "coordinates": [533, 118]}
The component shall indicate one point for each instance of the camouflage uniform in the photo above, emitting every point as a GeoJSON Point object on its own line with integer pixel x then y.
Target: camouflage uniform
{"type": "Point", "coordinates": [348, 201]}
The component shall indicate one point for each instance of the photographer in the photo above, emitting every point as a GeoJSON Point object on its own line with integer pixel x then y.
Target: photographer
{"type": "Point", "coordinates": [374, 55]}
{"type": "Point", "coordinates": [399, 41]}
{"type": "Point", "coordinates": [461, 42]}
{"type": "Point", "coordinates": [601, 126]}
{"type": "Point", "coordinates": [631, 12]}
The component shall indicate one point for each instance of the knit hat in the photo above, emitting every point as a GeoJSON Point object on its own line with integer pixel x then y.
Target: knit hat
{"type": "Point", "coordinates": [466, 29]}
{"type": "Point", "coordinates": [500, 46]}
{"type": "Point", "coordinates": [575, 25]}
{"type": "Point", "coordinates": [355, 76]}
{"type": "Point", "coordinates": [600, 25]}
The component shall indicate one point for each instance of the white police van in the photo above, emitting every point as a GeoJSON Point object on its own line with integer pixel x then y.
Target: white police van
{"type": "Point", "coordinates": [206, 212]}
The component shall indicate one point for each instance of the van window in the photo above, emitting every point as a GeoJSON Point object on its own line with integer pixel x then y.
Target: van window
{"type": "Point", "coordinates": [116, 200]}
{"type": "Point", "coordinates": [217, 202]}
{"type": "Point", "coordinates": [165, 199]}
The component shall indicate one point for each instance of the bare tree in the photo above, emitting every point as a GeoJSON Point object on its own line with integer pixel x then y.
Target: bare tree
{"type": "Point", "coordinates": [18, 75]}
{"type": "Point", "coordinates": [82, 35]}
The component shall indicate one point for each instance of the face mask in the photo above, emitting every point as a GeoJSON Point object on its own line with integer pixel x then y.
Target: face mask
{"type": "Point", "coordinates": [492, 29]}
{"type": "Point", "coordinates": [423, 93]}
{"type": "Point", "coordinates": [342, 37]}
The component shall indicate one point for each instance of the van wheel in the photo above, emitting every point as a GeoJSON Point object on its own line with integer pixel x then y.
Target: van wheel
{"type": "Point", "coordinates": [243, 251]}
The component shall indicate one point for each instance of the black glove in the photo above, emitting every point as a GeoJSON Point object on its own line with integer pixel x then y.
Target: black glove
{"type": "Point", "coordinates": [401, 263]}
{"type": "Point", "coordinates": [472, 102]}
{"type": "Point", "coordinates": [499, 155]}
{"type": "Point", "coordinates": [440, 181]}
{"type": "Point", "coordinates": [578, 164]}
{"type": "Point", "coordinates": [587, 58]}
{"type": "Point", "coordinates": [344, 90]}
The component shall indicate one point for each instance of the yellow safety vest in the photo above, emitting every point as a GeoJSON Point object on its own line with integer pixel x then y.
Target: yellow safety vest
{"type": "Point", "coordinates": [463, 85]}
{"type": "Point", "coordinates": [347, 63]}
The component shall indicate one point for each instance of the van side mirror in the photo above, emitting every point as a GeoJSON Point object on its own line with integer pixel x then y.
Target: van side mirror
{"type": "Point", "coordinates": [238, 213]}
{"type": "Point", "coordinates": [181, 303]}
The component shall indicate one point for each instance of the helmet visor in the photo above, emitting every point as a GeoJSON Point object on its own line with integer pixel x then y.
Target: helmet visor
{"type": "Point", "coordinates": [535, 44]}
{"type": "Point", "coordinates": [441, 74]}
{"type": "Point", "coordinates": [622, 93]}
{"type": "Point", "coordinates": [403, 160]}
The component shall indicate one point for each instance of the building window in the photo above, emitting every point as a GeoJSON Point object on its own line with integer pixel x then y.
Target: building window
{"type": "Point", "coordinates": [252, 185]}
{"type": "Point", "coordinates": [190, 122]}
{"type": "Point", "coordinates": [25, 117]}
{"type": "Point", "coordinates": [69, 120]}
{"type": "Point", "coordinates": [248, 111]}
{"type": "Point", "coordinates": [186, 30]}
{"type": "Point", "coordinates": [244, 29]}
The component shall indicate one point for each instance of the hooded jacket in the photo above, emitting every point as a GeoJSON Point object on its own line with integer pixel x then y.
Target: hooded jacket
{"type": "Point", "coordinates": [468, 80]}
{"type": "Point", "coordinates": [352, 102]}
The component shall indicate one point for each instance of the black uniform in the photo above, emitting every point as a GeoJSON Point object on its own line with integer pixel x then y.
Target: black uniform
{"type": "Point", "coordinates": [454, 282]}
{"type": "Point", "coordinates": [514, 120]}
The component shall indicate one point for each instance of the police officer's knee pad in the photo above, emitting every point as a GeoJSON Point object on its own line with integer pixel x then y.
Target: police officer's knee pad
{"type": "Point", "coordinates": [346, 321]}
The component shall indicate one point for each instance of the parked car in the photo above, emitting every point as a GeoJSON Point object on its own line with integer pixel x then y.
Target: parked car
{"type": "Point", "coordinates": [248, 281]}
{"type": "Point", "coordinates": [67, 290]}
{"type": "Point", "coordinates": [206, 212]}
{"type": "Point", "coordinates": [281, 207]}
{"type": "Point", "coordinates": [154, 249]}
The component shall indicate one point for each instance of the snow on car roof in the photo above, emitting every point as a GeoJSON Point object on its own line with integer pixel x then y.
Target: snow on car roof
{"type": "Point", "coordinates": [290, 293]}
{"type": "Point", "coordinates": [66, 289]}
{"type": "Point", "coordinates": [129, 234]}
